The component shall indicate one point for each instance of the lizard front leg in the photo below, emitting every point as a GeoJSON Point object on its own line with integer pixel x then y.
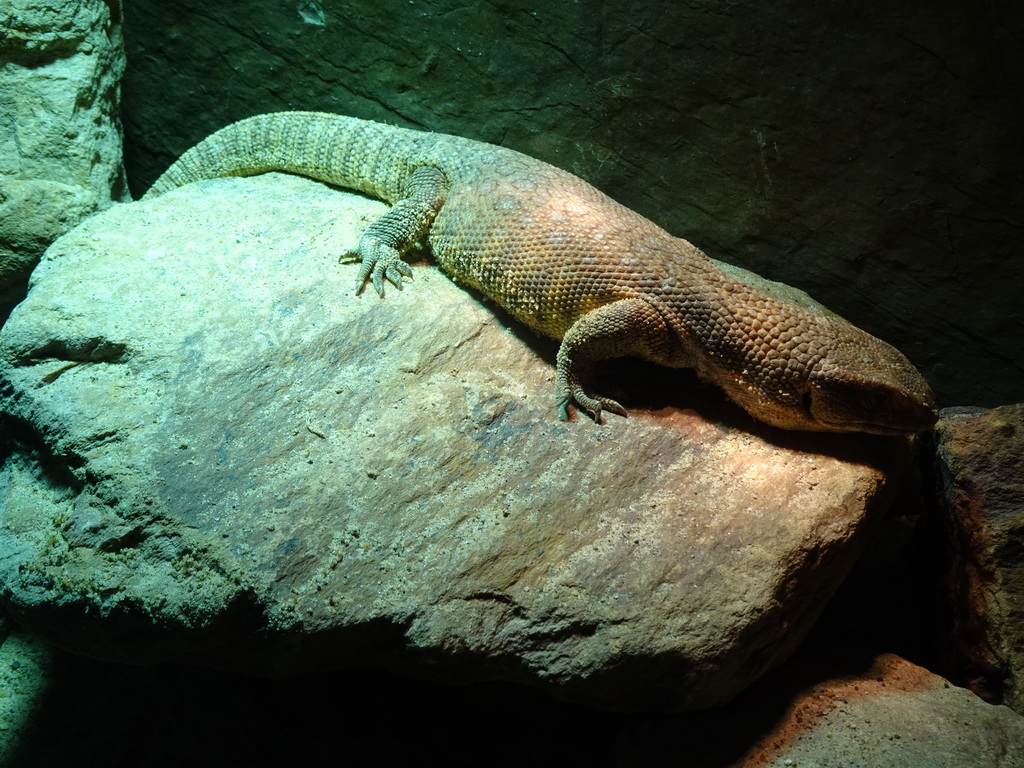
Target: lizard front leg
{"type": "Point", "coordinates": [385, 241]}
{"type": "Point", "coordinates": [623, 328]}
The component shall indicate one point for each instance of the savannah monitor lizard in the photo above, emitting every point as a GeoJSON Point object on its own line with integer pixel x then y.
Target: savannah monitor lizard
{"type": "Point", "coordinates": [572, 264]}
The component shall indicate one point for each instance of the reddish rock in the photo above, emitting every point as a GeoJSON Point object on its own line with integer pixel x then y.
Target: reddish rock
{"type": "Point", "coordinates": [890, 713]}
{"type": "Point", "coordinates": [981, 458]}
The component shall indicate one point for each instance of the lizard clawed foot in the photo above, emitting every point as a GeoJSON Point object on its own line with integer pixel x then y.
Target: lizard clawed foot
{"type": "Point", "coordinates": [380, 263]}
{"type": "Point", "coordinates": [593, 406]}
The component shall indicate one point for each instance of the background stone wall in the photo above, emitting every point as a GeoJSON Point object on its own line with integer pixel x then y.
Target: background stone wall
{"type": "Point", "coordinates": [60, 136]}
{"type": "Point", "coordinates": [872, 159]}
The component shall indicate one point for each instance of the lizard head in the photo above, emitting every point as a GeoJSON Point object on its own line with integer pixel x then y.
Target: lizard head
{"type": "Point", "coordinates": [862, 384]}
{"type": "Point", "coordinates": [817, 372]}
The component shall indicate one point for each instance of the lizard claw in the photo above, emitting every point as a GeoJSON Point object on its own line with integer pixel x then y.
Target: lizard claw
{"type": "Point", "coordinates": [568, 373]}
{"type": "Point", "coordinates": [592, 405]}
{"type": "Point", "coordinates": [395, 271]}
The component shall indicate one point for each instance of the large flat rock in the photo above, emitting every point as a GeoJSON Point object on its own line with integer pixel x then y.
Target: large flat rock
{"type": "Point", "coordinates": [216, 453]}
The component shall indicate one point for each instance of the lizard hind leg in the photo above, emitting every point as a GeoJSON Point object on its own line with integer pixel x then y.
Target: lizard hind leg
{"type": "Point", "coordinates": [385, 241]}
{"type": "Point", "coordinates": [622, 328]}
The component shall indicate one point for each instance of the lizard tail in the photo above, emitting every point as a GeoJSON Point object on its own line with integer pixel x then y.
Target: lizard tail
{"type": "Point", "coordinates": [357, 154]}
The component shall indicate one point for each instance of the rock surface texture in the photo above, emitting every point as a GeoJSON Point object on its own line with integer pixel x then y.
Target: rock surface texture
{"type": "Point", "coordinates": [60, 133]}
{"type": "Point", "coordinates": [981, 460]}
{"type": "Point", "coordinates": [217, 453]}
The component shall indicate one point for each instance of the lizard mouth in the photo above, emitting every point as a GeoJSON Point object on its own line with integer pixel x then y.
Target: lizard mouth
{"type": "Point", "coordinates": [921, 422]}
{"type": "Point", "coordinates": [857, 406]}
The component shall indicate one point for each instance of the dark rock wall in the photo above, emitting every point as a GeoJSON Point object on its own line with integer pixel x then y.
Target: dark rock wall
{"type": "Point", "coordinates": [872, 158]}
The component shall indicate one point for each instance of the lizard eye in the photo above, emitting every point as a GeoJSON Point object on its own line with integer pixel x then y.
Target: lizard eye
{"type": "Point", "coordinates": [875, 401]}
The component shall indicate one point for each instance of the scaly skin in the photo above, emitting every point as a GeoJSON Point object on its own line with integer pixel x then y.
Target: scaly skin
{"type": "Point", "coordinates": [571, 263]}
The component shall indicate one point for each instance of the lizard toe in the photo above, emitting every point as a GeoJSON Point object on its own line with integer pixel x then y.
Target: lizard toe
{"type": "Point", "coordinates": [376, 277]}
{"type": "Point", "coordinates": [592, 405]}
{"type": "Point", "coordinates": [395, 271]}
